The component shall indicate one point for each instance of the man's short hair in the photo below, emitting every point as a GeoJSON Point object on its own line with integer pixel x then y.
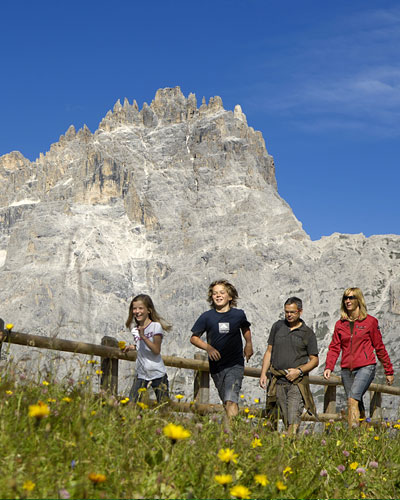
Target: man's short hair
{"type": "Point", "coordinates": [295, 300]}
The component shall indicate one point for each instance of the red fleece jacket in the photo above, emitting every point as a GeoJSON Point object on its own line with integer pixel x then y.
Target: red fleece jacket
{"type": "Point", "coordinates": [358, 348]}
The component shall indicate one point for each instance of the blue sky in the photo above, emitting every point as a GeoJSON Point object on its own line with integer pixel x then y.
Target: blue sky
{"type": "Point", "coordinates": [319, 79]}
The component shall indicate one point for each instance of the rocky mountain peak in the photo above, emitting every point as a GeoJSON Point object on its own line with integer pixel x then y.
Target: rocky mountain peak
{"type": "Point", "coordinates": [163, 200]}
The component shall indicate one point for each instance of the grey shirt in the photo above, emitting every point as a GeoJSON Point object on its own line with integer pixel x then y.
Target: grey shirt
{"type": "Point", "coordinates": [291, 348]}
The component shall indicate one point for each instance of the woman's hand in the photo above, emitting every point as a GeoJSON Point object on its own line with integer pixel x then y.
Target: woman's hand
{"type": "Point", "coordinates": [389, 379]}
{"type": "Point", "coordinates": [327, 374]}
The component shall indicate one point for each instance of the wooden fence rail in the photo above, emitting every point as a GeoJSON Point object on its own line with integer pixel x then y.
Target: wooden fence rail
{"type": "Point", "coordinates": [110, 353]}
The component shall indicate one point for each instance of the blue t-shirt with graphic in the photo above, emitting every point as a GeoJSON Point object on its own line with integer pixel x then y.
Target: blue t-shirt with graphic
{"type": "Point", "coordinates": [224, 333]}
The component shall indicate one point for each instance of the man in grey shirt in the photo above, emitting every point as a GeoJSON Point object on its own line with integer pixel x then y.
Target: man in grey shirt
{"type": "Point", "coordinates": [291, 354]}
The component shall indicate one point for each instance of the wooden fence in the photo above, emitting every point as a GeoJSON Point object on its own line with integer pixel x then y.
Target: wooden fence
{"type": "Point", "coordinates": [110, 354]}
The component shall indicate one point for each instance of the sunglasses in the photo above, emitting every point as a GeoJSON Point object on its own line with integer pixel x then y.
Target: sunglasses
{"type": "Point", "coordinates": [349, 297]}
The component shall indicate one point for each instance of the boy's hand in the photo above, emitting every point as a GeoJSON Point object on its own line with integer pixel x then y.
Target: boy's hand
{"type": "Point", "coordinates": [248, 351]}
{"type": "Point", "coordinates": [213, 354]}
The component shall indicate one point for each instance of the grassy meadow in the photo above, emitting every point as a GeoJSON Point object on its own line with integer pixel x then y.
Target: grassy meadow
{"type": "Point", "coordinates": [65, 441]}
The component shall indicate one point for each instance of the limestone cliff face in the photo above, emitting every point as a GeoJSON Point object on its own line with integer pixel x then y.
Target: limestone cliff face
{"type": "Point", "coordinates": [164, 200]}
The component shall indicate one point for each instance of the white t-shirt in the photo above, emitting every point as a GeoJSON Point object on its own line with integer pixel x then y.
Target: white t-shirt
{"type": "Point", "coordinates": [148, 365]}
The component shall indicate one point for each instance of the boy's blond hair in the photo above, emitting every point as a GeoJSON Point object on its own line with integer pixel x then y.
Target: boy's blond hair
{"type": "Point", "coordinates": [229, 288]}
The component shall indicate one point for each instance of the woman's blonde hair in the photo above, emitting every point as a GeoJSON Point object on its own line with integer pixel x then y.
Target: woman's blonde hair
{"type": "Point", "coordinates": [153, 314]}
{"type": "Point", "coordinates": [229, 288]}
{"type": "Point", "coordinates": [361, 303]}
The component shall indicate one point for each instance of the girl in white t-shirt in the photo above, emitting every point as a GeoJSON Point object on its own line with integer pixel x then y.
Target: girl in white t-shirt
{"type": "Point", "coordinates": [148, 329]}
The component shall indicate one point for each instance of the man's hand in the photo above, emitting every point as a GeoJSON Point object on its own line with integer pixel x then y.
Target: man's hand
{"type": "Point", "coordinates": [263, 381]}
{"type": "Point", "coordinates": [248, 351]}
{"type": "Point", "coordinates": [213, 354]}
{"type": "Point", "coordinates": [293, 374]}
{"type": "Point", "coordinates": [389, 379]}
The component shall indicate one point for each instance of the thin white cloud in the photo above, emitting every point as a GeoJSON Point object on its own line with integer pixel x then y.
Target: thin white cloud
{"type": "Point", "coordinates": [342, 79]}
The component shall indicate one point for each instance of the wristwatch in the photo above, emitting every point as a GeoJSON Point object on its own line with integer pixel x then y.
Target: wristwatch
{"type": "Point", "coordinates": [301, 372]}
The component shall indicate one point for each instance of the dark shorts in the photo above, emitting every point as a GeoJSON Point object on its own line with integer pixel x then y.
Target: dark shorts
{"type": "Point", "coordinates": [356, 382]}
{"type": "Point", "coordinates": [229, 382]}
{"type": "Point", "coordinates": [159, 385]}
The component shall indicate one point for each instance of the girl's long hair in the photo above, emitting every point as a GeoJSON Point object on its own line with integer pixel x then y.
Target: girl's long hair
{"type": "Point", "coordinates": [361, 304]}
{"type": "Point", "coordinates": [153, 314]}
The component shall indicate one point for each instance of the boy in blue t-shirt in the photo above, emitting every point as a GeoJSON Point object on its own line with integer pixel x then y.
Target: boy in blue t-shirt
{"type": "Point", "coordinates": [224, 326]}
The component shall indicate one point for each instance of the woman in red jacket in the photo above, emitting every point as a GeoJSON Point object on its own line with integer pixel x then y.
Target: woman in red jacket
{"type": "Point", "coordinates": [357, 335]}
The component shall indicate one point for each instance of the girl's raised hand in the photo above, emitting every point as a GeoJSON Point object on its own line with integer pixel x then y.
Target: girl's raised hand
{"type": "Point", "coordinates": [141, 331]}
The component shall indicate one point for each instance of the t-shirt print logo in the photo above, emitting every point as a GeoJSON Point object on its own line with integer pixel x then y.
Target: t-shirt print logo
{"type": "Point", "coordinates": [223, 327]}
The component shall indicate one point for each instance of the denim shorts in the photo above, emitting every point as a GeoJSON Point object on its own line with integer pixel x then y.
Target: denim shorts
{"type": "Point", "coordinates": [229, 382]}
{"type": "Point", "coordinates": [356, 382]}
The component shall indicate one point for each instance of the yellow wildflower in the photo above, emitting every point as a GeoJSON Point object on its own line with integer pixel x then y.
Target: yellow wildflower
{"type": "Point", "coordinates": [338, 443]}
{"type": "Point", "coordinates": [175, 432]}
{"type": "Point", "coordinates": [124, 401]}
{"type": "Point", "coordinates": [242, 396]}
{"type": "Point", "coordinates": [396, 426]}
{"type": "Point", "coordinates": [251, 416]}
{"type": "Point", "coordinates": [239, 491]}
{"type": "Point", "coordinates": [256, 442]}
{"type": "Point", "coordinates": [66, 399]}
{"type": "Point", "coordinates": [99, 372]}
{"type": "Point", "coordinates": [142, 389]}
{"type": "Point", "coordinates": [51, 400]}
{"type": "Point", "coordinates": [97, 478]}
{"type": "Point", "coordinates": [9, 326]}
{"type": "Point", "coordinates": [41, 410]}
{"type": "Point", "coordinates": [92, 362]}
{"type": "Point", "coordinates": [45, 382]}
{"type": "Point", "coordinates": [122, 344]}
{"type": "Point", "coordinates": [287, 470]}
{"type": "Point", "coordinates": [353, 465]}
{"type": "Point", "coordinates": [376, 438]}
{"type": "Point", "coordinates": [256, 400]}
{"type": "Point", "coordinates": [227, 455]}
{"type": "Point", "coordinates": [261, 479]}
{"type": "Point", "coordinates": [9, 392]}
{"type": "Point", "coordinates": [363, 495]}
{"type": "Point", "coordinates": [28, 485]}
{"type": "Point", "coordinates": [179, 396]}
{"type": "Point", "coordinates": [223, 479]}
{"type": "Point", "coordinates": [141, 405]}
{"type": "Point", "coordinates": [93, 412]}
{"type": "Point", "coordinates": [246, 410]}
{"type": "Point", "coordinates": [281, 486]}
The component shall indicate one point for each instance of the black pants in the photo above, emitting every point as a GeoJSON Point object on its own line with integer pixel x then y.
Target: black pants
{"type": "Point", "coordinates": [159, 385]}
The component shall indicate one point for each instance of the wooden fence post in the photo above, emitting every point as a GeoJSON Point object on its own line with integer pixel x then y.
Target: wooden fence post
{"type": "Point", "coordinates": [375, 407]}
{"type": "Point", "coordinates": [201, 391]}
{"type": "Point", "coordinates": [109, 367]}
{"type": "Point", "coordinates": [330, 399]}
